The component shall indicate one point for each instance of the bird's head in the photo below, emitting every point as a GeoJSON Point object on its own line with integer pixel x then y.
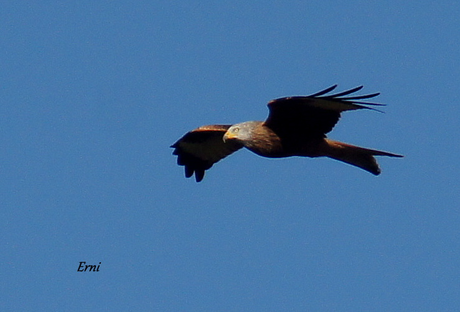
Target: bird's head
{"type": "Point", "coordinates": [240, 132]}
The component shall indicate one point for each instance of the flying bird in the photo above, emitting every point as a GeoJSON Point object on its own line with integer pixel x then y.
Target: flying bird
{"type": "Point", "coordinates": [296, 126]}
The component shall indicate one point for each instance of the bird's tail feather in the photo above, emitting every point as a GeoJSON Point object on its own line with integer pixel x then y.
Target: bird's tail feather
{"type": "Point", "coordinates": [356, 156]}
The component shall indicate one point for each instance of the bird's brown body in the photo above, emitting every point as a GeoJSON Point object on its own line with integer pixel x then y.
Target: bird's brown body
{"type": "Point", "coordinates": [265, 142]}
{"type": "Point", "coordinates": [296, 126]}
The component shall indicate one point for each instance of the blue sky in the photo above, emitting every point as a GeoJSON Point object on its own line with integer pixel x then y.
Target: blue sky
{"type": "Point", "coordinates": [93, 94]}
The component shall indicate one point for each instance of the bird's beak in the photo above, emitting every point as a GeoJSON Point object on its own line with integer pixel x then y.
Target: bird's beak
{"type": "Point", "coordinates": [229, 136]}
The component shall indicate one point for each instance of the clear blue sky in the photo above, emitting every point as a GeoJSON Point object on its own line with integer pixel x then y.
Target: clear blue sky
{"type": "Point", "coordinates": [93, 93]}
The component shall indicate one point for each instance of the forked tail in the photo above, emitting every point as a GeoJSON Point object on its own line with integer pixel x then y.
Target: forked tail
{"type": "Point", "coordinates": [356, 156]}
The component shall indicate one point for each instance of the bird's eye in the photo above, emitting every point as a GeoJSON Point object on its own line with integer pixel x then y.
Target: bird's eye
{"type": "Point", "coordinates": [235, 130]}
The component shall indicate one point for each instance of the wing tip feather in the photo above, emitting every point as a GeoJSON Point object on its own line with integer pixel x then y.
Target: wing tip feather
{"type": "Point", "coordinates": [200, 148]}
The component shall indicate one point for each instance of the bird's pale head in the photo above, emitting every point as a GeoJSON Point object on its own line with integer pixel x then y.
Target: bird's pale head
{"type": "Point", "coordinates": [241, 132]}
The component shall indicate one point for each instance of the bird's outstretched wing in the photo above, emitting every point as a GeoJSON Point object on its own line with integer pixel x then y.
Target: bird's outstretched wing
{"type": "Point", "coordinates": [313, 115]}
{"type": "Point", "coordinates": [200, 148]}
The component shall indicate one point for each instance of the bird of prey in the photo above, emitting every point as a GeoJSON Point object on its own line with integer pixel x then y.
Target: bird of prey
{"type": "Point", "coordinates": [296, 126]}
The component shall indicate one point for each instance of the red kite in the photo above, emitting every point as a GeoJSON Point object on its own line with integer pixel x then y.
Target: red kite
{"type": "Point", "coordinates": [296, 126]}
